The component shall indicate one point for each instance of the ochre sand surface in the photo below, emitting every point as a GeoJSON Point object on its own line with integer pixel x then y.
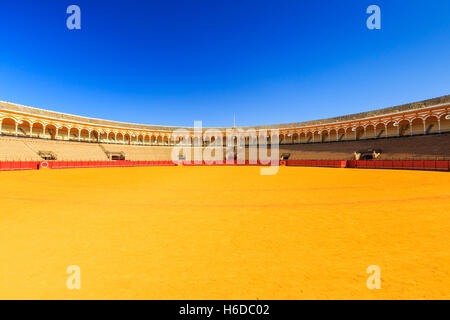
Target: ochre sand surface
{"type": "Point", "coordinates": [224, 233]}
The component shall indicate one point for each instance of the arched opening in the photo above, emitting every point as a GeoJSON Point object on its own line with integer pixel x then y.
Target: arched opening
{"type": "Point", "coordinates": [247, 139]}
{"type": "Point", "coordinates": [380, 130]}
{"type": "Point", "coordinates": [120, 138]}
{"type": "Point", "coordinates": [333, 135]}
{"type": "Point", "coordinates": [341, 134]}
{"type": "Point", "coordinates": [316, 136]}
{"type": "Point", "coordinates": [131, 138]}
{"type": "Point", "coordinates": [206, 139]}
{"type": "Point", "coordinates": [63, 133]}
{"type": "Point", "coordinates": [127, 138]}
{"type": "Point", "coordinates": [350, 134]}
{"type": "Point", "coordinates": [111, 137]}
{"type": "Point", "coordinates": [84, 134]}
{"type": "Point", "coordinates": [392, 129]}
{"type": "Point", "coordinates": [288, 138]}
{"type": "Point", "coordinates": [50, 132]}
{"type": "Point", "coordinates": [166, 140]}
{"type": "Point", "coordinates": [309, 137]}
{"type": "Point", "coordinates": [295, 138]}
{"type": "Point", "coordinates": [432, 125]}
{"type": "Point", "coordinates": [94, 136]}
{"type": "Point", "coordinates": [73, 134]}
{"type": "Point", "coordinates": [146, 139]}
{"type": "Point", "coordinates": [178, 138]}
{"type": "Point", "coordinates": [252, 139]}
{"type": "Point", "coordinates": [359, 133]}
{"type": "Point", "coordinates": [417, 126]}
{"type": "Point", "coordinates": [325, 136]}
{"type": "Point", "coordinates": [223, 138]}
{"type": "Point", "coordinates": [370, 132]}
{"type": "Point", "coordinates": [8, 126]}
{"type": "Point", "coordinates": [24, 128]}
{"type": "Point", "coordinates": [160, 140]}
{"type": "Point", "coordinates": [153, 140]}
{"type": "Point", "coordinates": [269, 136]}
{"type": "Point", "coordinates": [187, 139]}
{"type": "Point", "coordinates": [302, 137]}
{"type": "Point", "coordinates": [37, 130]}
{"type": "Point", "coordinates": [241, 140]}
{"type": "Point", "coordinates": [102, 137]}
{"type": "Point", "coordinates": [404, 128]}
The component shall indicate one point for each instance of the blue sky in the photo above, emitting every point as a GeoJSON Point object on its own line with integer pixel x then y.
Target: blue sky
{"type": "Point", "coordinates": [170, 62]}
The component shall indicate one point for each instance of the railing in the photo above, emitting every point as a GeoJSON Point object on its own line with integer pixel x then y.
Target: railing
{"type": "Point", "coordinates": [433, 165]}
{"type": "Point", "coordinates": [36, 165]}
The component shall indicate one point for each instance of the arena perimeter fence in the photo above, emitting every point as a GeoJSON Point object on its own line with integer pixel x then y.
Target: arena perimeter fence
{"type": "Point", "coordinates": [433, 165]}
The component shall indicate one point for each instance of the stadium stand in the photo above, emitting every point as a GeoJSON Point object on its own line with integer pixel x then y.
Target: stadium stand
{"type": "Point", "coordinates": [416, 131]}
{"type": "Point", "coordinates": [426, 147]}
{"type": "Point", "coordinates": [28, 149]}
{"type": "Point", "coordinates": [68, 151]}
{"type": "Point", "coordinates": [140, 153]}
{"type": "Point", "coordinates": [15, 149]}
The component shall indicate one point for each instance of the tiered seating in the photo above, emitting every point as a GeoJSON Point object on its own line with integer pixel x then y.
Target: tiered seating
{"type": "Point", "coordinates": [14, 149]}
{"type": "Point", "coordinates": [69, 151]}
{"type": "Point", "coordinates": [431, 147]}
{"type": "Point", "coordinates": [141, 153]}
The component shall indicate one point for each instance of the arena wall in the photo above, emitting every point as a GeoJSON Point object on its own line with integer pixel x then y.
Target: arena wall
{"type": "Point", "coordinates": [425, 147]}
{"type": "Point", "coordinates": [416, 131]}
{"type": "Point", "coordinates": [425, 117]}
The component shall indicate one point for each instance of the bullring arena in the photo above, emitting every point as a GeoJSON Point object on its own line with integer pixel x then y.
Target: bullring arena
{"type": "Point", "coordinates": [352, 191]}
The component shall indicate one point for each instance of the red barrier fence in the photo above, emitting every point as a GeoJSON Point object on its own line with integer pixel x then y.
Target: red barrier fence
{"type": "Point", "coordinates": [102, 164]}
{"type": "Point", "coordinates": [318, 163]}
{"type": "Point", "coordinates": [18, 165]}
{"type": "Point", "coordinates": [434, 165]}
{"type": "Point", "coordinates": [36, 165]}
{"type": "Point", "coordinates": [438, 165]}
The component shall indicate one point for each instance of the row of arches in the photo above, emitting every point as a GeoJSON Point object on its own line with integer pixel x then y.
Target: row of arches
{"type": "Point", "coordinates": [13, 127]}
{"type": "Point", "coordinates": [404, 127]}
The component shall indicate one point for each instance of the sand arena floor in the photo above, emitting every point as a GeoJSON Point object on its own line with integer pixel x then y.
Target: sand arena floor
{"type": "Point", "coordinates": [224, 232]}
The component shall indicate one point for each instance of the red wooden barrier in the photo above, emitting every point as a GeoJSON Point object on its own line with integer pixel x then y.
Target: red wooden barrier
{"type": "Point", "coordinates": [441, 165]}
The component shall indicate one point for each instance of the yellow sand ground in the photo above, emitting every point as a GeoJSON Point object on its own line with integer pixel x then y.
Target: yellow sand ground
{"type": "Point", "coordinates": [224, 232]}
